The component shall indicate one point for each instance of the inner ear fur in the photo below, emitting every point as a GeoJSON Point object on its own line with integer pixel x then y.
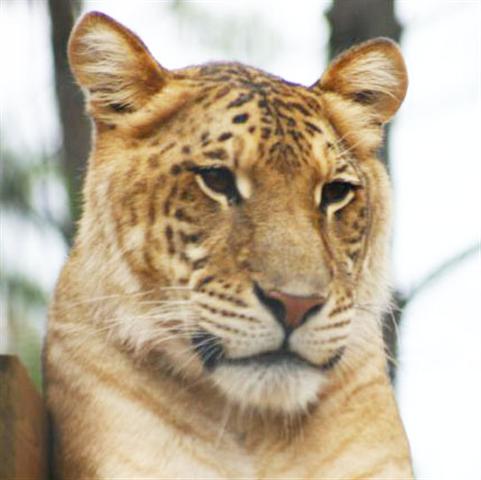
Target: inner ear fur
{"type": "Point", "coordinates": [372, 74]}
{"type": "Point", "coordinates": [113, 66]}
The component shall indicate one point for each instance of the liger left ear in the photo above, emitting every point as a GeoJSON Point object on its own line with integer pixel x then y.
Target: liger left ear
{"type": "Point", "coordinates": [371, 74]}
{"type": "Point", "coordinates": [362, 89]}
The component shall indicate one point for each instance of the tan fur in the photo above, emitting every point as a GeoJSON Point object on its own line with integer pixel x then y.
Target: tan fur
{"type": "Point", "coordinates": [162, 257]}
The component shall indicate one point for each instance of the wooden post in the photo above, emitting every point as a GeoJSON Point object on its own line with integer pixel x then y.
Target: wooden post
{"type": "Point", "coordinates": [23, 440]}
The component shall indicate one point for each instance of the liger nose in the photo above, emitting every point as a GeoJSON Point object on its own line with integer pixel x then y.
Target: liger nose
{"type": "Point", "coordinates": [296, 307]}
{"type": "Point", "coordinates": [290, 310]}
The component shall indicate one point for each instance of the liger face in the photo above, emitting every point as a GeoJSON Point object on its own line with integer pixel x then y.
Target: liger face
{"type": "Point", "coordinates": [252, 211]}
{"type": "Point", "coordinates": [250, 214]}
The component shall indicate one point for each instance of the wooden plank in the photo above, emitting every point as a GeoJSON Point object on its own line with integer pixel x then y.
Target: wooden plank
{"type": "Point", "coordinates": [23, 441]}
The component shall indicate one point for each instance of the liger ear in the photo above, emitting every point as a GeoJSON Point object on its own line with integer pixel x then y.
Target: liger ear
{"type": "Point", "coordinates": [113, 66]}
{"type": "Point", "coordinates": [371, 74]}
{"type": "Point", "coordinates": [361, 90]}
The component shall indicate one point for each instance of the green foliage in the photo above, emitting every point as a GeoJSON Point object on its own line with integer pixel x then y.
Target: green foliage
{"type": "Point", "coordinates": [22, 289]}
{"type": "Point", "coordinates": [23, 177]}
{"type": "Point", "coordinates": [26, 304]}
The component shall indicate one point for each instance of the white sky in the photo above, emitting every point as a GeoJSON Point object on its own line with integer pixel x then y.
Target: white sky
{"type": "Point", "coordinates": [437, 174]}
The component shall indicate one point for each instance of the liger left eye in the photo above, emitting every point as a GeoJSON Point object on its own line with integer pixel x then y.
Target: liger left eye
{"type": "Point", "coordinates": [335, 192]}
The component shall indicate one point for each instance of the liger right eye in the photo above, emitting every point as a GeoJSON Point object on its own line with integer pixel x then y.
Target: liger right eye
{"type": "Point", "coordinates": [219, 180]}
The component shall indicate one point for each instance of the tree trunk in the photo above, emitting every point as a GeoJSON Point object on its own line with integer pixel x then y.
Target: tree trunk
{"type": "Point", "coordinates": [74, 122]}
{"type": "Point", "coordinates": [352, 22]}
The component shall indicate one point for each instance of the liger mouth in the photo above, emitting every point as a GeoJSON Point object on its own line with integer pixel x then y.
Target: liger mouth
{"type": "Point", "coordinates": [275, 357]}
{"type": "Point", "coordinates": [212, 354]}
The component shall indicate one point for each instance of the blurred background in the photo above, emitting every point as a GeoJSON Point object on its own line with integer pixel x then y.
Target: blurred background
{"type": "Point", "coordinates": [432, 152]}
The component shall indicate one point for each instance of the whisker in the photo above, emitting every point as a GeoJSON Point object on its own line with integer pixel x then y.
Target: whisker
{"type": "Point", "coordinates": [166, 302]}
{"type": "Point", "coordinates": [142, 293]}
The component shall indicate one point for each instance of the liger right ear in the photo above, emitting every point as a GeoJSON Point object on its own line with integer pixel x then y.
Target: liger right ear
{"type": "Point", "coordinates": [113, 66]}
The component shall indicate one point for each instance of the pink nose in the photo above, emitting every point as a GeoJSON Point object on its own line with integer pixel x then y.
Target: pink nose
{"type": "Point", "coordinates": [296, 307]}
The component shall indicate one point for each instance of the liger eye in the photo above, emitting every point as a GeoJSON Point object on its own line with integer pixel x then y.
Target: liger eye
{"type": "Point", "coordinates": [336, 193]}
{"type": "Point", "coordinates": [220, 180]}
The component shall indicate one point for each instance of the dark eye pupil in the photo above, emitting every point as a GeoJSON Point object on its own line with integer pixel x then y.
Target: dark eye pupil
{"type": "Point", "coordinates": [335, 192]}
{"type": "Point", "coordinates": [220, 180]}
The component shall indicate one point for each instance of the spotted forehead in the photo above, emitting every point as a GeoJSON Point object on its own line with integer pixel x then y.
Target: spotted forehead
{"type": "Point", "coordinates": [284, 120]}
